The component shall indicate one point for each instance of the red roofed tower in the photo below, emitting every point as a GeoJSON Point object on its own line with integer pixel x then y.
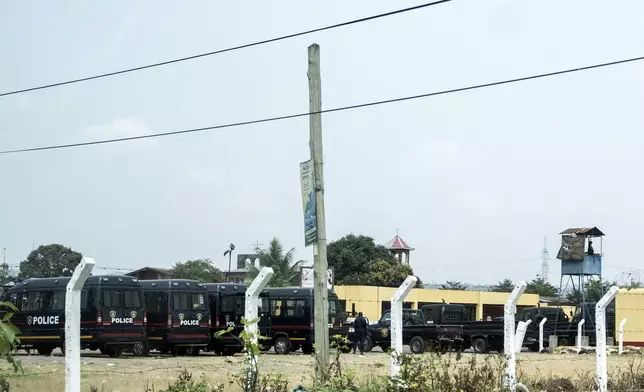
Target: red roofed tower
{"type": "Point", "coordinates": [399, 248]}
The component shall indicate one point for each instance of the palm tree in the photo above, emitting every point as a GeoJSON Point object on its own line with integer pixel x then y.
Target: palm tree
{"type": "Point", "coordinates": [286, 273]}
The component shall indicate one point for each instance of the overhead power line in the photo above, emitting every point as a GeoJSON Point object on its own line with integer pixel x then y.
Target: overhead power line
{"type": "Point", "coordinates": [220, 51]}
{"type": "Point", "coordinates": [351, 107]}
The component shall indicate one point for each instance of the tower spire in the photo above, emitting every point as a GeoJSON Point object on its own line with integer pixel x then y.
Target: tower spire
{"type": "Point", "coordinates": [545, 268]}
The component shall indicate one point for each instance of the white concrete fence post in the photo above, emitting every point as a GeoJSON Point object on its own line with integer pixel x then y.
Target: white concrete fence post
{"type": "Point", "coordinates": [72, 324]}
{"type": "Point", "coordinates": [621, 336]}
{"type": "Point", "coordinates": [252, 299]}
{"type": "Point", "coordinates": [250, 314]}
{"type": "Point", "coordinates": [396, 322]}
{"type": "Point", "coordinates": [541, 324]}
{"type": "Point", "coordinates": [600, 333]}
{"type": "Point", "coordinates": [509, 310]}
{"type": "Point", "coordinates": [579, 332]}
{"type": "Point", "coordinates": [519, 335]}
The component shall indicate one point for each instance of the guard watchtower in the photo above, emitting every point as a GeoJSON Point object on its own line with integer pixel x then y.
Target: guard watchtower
{"type": "Point", "coordinates": [580, 261]}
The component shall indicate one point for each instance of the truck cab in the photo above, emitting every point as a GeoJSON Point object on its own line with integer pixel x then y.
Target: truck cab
{"type": "Point", "coordinates": [418, 333]}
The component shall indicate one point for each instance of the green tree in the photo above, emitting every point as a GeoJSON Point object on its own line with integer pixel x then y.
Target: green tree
{"type": "Point", "coordinates": [540, 286]}
{"type": "Point", "coordinates": [352, 258]}
{"type": "Point", "coordinates": [453, 285]}
{"type": "Point", "coordinates": [594, 290]}
{"type": "Point", "coordinates": [50, 261]}
{"type": "Point", "coordinates": [202, 270]}
{"type": "Point", "coordinates": [285, 271]}
{"type": "Point", "coordinates": [505, 286]}
{"type": "Point", "coordinates": [388, 273]}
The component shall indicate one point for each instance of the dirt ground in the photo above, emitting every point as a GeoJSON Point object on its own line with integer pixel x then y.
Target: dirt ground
{"type": "Point", "coordinates": [129, 373]}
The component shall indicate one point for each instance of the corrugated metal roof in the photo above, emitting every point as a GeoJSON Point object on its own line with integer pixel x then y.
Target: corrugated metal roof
{"type": "Point", "coordinates": [584, 231]}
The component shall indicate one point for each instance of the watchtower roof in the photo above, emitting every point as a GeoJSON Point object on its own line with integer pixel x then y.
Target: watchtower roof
{"type": "Point", "coordinates": [584, 232]}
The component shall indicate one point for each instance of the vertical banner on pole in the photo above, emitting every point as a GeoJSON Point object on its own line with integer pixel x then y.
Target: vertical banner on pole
{"type": "Point", "coordinates": [72, 324]}
{"type": "Point", "coordinates": [307, 179]}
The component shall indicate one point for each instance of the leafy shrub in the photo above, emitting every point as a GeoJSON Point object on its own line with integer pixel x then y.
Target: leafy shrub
{"type": "Point", "coordinates": [185, 383]}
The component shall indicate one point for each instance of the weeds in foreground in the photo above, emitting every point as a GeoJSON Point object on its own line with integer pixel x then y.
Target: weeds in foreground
{"type": "Point", "coordinates": [185, 383]}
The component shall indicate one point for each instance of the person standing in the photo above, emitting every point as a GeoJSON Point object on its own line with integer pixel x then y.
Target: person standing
{"type": "Point", "coordinates": [360, 326]}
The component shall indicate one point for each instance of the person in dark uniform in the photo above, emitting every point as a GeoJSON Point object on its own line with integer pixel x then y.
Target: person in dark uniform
{"type": "Point", "coordinates": [591, 251]}
{"type": "Point", "coordinates": [360, 326]}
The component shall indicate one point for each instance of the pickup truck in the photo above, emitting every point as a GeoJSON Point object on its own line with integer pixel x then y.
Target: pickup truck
{"type": "Point", "coordinates": [417, 333]}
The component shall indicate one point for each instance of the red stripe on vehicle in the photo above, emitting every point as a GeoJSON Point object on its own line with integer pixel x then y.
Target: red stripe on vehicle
{"type": "Point", "coordinates": [291, 326]}
{"type": "Point", "coordinates": [635, 344]}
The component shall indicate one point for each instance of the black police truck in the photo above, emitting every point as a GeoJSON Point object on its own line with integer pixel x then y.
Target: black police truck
{"type": "Point", "coordinates": [227, 307]}
{"type": "Point", "coordinates": [178, 316]}
{"type": "Point", "coordinates": [112, 314]}
{"type": "Point", "coordinates": [287, 318]}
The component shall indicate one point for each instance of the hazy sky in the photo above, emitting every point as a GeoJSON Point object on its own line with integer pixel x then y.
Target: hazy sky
{"type": "Point", "coordinates": [473, 180]}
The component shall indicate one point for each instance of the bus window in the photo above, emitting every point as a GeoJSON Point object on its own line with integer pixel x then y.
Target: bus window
{"type": "Point", "coordinates": [55, 300]}
{"type": "Point", "coordinates": [276, 307]}
{"type": "Point", "coordinates": [332, 307]}
{"type": "Point", "coordinates": [198, 301]}
{"type": "Point", "coordinates": [132, 298]}
{"type": "Point", "coordinates": [87, 299]}
{"type": "Point", "coordinates": [228, 304]}
{"type": "Point", "coordinates": [32, 301]}
{"type": "Point", "coordinates": [180, 301]}
{"type": "Point", "coordinates": [111, 298]}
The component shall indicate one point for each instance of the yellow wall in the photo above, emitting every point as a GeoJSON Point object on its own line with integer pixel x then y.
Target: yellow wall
{"type": "Point", "coordinates": [368, 299]}
{"type": "Point", "coordinates": [629, 304]}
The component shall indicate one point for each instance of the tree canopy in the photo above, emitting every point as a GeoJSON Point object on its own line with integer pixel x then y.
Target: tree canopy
{"type": "Point", "coordinates": [505, 286]}
{"type": "Point", "coordinates": [453, 285]}
{"type": "Point", "coordinates": [50, 261]}
{"type": "Point", "coordinates": [358, 260]}
{"type": "Point", "coordinates": [541, 287]}
{"type": "Point", "coordinates": [285, 271]}
{"type": "Point", "coordinates": [202, 270]}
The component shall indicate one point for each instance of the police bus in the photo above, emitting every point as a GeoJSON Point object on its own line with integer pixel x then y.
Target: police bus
{"type": "Point", "coordinates": [226, 302]}
{"type": "Point", "coordinates": [287, 319]}
{"type": "Point", "coordinates": [178, 316]}
{"type": "Point", "coordinates": [112, 314]}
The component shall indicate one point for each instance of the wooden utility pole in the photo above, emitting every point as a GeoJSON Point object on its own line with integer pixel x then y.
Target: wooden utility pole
{"type": "Point", "coordinates": [320, 287]}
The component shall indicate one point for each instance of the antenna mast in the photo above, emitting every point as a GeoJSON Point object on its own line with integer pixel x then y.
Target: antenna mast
{"type": "Point", "coordinates": [545, 268]}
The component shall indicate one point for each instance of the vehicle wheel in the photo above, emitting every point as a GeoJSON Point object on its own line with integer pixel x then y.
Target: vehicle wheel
{"type": "Point", "coordinates": [139, 350]}
{"type": "Point", "coordinates": [45, 350]}
{"type": "Point", "coordinates": [194, 351]}
{"type": "Point", "coordinates": [564, 342]}
{"type": "Point", "coordinates": [480, 346]}
{"type": "Point", "coordinates": [264, 347]}
{"type": "Point", "coordinates": [307, 349]}
{"type": "Point", "coordinates": [408, 323]}
{"type": "Point", "coordinates": [282, 346]}
{"type": "Point", "coordinates": [368, 345]}
{"type": "Point", "coordinates": [114, 352]}
{"type": "Point", "coordinates": [417, 345]}
{"type": "Point", "coordinates": [385, 347]}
